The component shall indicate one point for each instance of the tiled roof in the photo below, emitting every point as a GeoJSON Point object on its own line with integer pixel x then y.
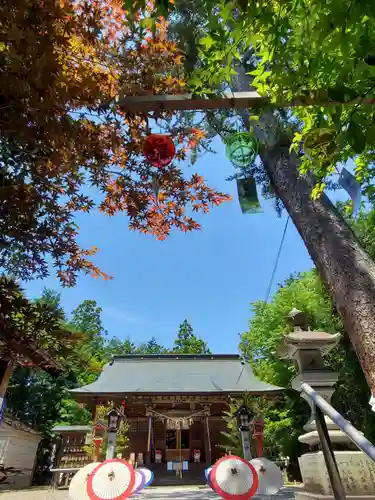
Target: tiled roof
{"type": "Point", "coordinates": [171, 374]}
{"type": "Point", "coordinates": [71, 428]}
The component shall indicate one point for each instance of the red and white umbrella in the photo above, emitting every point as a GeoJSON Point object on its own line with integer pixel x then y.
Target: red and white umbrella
{"type": "Point", "coordinates": [234, 478]}
{"type": "Point", "coordinates": [78, 484]}
{"type": "Point", "coordinates": [139, 482]}
{"type": "Point", "coordinates": [269, 474]}
{"type": "Point", "coordinates": [112, 480]}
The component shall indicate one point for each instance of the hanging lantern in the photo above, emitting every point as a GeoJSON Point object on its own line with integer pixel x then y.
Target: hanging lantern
{"type": "Point", "coordinates": [159, 150]}
{"type": "Point", "coordinates": [241, 149]}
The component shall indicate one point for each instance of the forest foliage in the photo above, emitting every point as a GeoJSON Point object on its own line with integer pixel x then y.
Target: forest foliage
{"type": "Point", "coordinates": [64, 137]}
{"type": "Point", "coordinates": [42, 401]}
{"type": "Point", "coordinates": [67, 147]}
{"type": "Point", "coordinates": [267, 326]}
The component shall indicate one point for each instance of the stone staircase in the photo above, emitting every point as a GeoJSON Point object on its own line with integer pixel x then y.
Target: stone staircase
{"type": "Point", "coordinates": [163, 477]}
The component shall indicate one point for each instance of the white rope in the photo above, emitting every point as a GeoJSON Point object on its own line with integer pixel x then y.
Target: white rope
{"type": "Point", "coordinates": [179, 419]}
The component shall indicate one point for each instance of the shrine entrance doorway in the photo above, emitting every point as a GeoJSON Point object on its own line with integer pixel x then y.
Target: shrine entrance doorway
{"type": "Point", "coordinates": [173, 436]}
{"type": "Point", "coordinates": [177, 445]}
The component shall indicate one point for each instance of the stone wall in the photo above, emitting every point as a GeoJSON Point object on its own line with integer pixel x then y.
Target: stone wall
{"type": "Point", "coordinates": [18, 448]}
{"type": "Point", "coordinates": [357, 473]}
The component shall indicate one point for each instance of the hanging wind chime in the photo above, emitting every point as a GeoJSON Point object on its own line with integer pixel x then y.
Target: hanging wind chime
{"type": "Point", "coordinates": [159, 151]}
{"type": "Point", "coordinates": [242, 150]}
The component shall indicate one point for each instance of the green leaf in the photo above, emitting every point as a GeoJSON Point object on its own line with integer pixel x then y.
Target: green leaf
{"type": "Point", "coordinates": [226, 12]}
{"type": "Point", "coordinates": [356, 138]}
{"type": "Point", "coordinates": [370, 134]}
{"type": "Point", "coordinates": [207, 42]}
{"type": "Point", "coordinates": [341, 93]}
{"type": "Point", "coordinates": [149, 23]}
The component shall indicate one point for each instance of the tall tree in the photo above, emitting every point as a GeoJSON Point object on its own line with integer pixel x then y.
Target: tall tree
{"type": "Point", "coordinates": [61, 130]}
{"type": "Point", "coordinates": [267, 327]}
{"type": "Point", "coordinates": [284, 55]}
{"type": "Point", "coordinates": [86, 318]}
{"type": "Point", "coordinates": [345, 267]}
{"type": "Point", "coordinates": [34, 396]}
{"type": "Point", "coordinates": [151, 347]}
{"type": "Point", "coordinates": [52, 299]}
{"type": "Point", "coordinates": [117, 347]}
{"type": "Point", "coordinates": [187, 342]}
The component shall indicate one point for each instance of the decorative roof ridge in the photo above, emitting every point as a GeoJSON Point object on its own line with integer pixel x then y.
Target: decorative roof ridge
{"type": "Point", "coordinates": [232, 357]}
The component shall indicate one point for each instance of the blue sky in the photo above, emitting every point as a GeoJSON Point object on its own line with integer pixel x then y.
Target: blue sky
{"type": "Point", "coordinates": [209, 277]}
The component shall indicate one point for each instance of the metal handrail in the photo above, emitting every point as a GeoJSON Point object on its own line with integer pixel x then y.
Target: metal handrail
{"type": "Point", "coordinates": [357, 437]}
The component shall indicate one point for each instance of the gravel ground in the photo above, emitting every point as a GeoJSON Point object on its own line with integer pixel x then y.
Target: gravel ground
{"type": "Point", "coordinates": [159, 493]}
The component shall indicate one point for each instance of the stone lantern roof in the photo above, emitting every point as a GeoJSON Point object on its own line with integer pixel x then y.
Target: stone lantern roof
{"type": "Point", "coordinates": [303, 341]}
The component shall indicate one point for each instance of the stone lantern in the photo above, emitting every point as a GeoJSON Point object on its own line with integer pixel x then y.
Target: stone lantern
{"type": "Point", "coordinates": [308, 349]}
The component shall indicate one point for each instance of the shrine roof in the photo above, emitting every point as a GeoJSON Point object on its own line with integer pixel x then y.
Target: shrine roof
{"type": "Point", "coordinates": [71, 428]}
{"type": "Point", "coordinates": [172, 374]}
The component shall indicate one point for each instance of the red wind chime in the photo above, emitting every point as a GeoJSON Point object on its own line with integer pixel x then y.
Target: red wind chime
{"type": "Point", "coordinates": [159, 150]}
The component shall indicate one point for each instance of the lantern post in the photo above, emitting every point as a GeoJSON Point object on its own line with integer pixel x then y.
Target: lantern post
{"type": "Point", "coordinates": [97, 442]}
{"type": "Point", "coordinates": [257, 426]}
{"type": "Point", "coordinates": [114, 418]}
{"type": "Point", "coordinates": [96, 439]}
{"type": "Point", "coordinates": [243, 423]}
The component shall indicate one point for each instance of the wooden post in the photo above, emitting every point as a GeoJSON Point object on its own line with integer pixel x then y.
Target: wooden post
{"type": "Point", "coordinates": [207, 437]}
{"type": "Point", "coordinates": [148, 454]}
{"type": "Point", "coordinates": [209, 440]}
{"type": "Point", "coordinates": [178, 446]}
{"type": "Point", "coordinates": [95, 444]}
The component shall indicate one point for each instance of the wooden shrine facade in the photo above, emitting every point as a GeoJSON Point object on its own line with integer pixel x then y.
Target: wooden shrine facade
{"type": "Point", "coordinates": [175, 428]}
{"type": "Point", "coordinates": [173, 404]}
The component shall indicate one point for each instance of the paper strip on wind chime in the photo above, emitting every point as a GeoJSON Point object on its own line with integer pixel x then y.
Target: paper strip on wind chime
{"type": "Point", "coordinates": [348, 182]}
{"type": "Point", "coordinates": [248, 196]}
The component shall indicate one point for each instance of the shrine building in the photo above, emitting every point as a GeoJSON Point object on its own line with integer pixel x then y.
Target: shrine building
{"type": "Point", "coordinates": [174, 403]}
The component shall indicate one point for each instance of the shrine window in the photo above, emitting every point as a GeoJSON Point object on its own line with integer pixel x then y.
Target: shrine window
{"type": "Point", "coordinates": [133, 427]}
{"type": "Point", "coordinates": [143, 426]}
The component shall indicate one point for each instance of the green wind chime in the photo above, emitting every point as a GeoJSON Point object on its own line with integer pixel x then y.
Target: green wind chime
{"type": "Point", "coordinates": [242, 149]}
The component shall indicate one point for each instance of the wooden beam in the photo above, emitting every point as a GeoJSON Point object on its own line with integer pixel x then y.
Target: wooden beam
{"type": "Point", "coordinates": [190, 102]}
{"type": "Point", "coordinates": [229, 100]}
{"type": "Point", "coordinates": [39, 357]}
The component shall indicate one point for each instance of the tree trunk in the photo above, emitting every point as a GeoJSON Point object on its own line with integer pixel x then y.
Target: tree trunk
{"type": "Point", "coordinates": [346, 269]}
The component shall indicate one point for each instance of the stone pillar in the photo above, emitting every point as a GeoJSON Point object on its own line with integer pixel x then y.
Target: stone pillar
{"type": "Point", "coordinates": [357, 471]}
